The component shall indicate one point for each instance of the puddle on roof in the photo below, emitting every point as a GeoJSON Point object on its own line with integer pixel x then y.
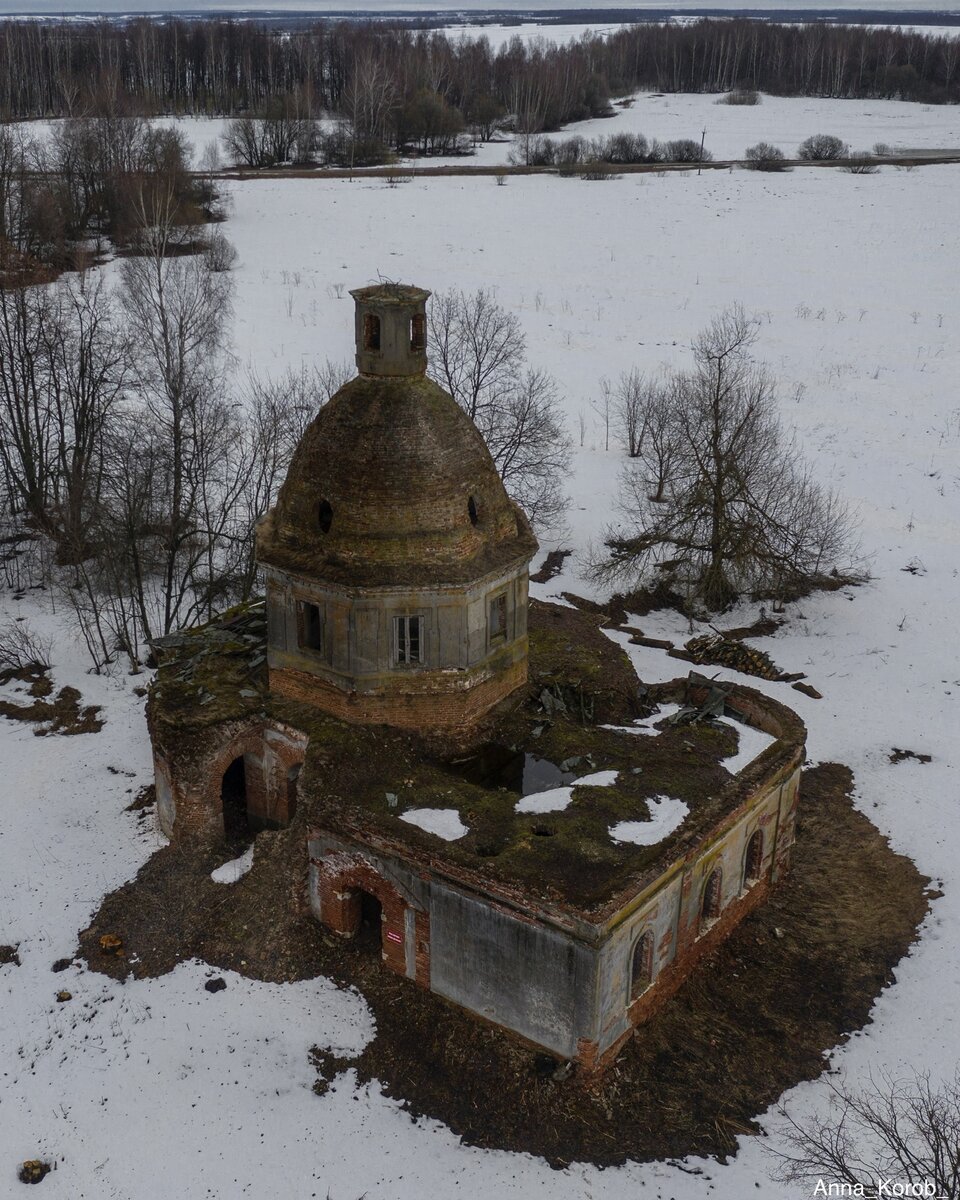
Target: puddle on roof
{"type": "Point", "coordinates": [496, 766]}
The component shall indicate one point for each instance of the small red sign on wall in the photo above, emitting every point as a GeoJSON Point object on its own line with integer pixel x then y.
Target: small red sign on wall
{"type": "Point", "coordinates": [393, 936]}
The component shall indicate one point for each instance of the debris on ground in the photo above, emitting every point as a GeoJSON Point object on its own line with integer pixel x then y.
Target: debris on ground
{"type": "Point", "coordinates": [719, 651]}
{"type": "Point", "coordinates": [33, 1170]}
{"type": "Point", "coordinates": [215, 985]}
{"type": "Point", "coordinates": [896, 756]}
{"type": "Point", "coordinates": [9, 956]}
{"type": "Point", "coordinates": [112, 945]}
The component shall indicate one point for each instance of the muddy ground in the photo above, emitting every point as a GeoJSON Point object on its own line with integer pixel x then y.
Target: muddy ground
{"type": "Point", "coordinates": [792, 981]}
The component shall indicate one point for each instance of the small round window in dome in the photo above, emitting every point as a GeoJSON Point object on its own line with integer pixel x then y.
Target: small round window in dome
{"type": "Point", "coordinates": [325, 516]}
{"type": "Point", "coordinates": [473, 511]}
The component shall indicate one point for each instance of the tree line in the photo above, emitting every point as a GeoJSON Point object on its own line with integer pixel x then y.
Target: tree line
{"type": "Point", "coordinates": [398, 84]}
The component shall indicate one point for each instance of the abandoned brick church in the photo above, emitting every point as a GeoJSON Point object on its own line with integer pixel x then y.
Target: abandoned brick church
{"type": "Point", "coordinates": [471, 784]}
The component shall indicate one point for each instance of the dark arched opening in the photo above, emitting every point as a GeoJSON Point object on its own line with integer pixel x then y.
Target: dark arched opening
{"type": "Point", "coordinates": [418, 332]}
{"type": "Point", "coordinates": [753, 862]}
{"type": "Point", "coordinates": [472, 511]}
{"type": "Point", "coordinates": [369, 935]}
{"type": "Point", "coordinates": [325, 516]}
{"type": "Point", "coordinates": [293, 778]}
{"type": "Point", "coordinates": [371, 332]}
{"type": "Point", "coordinates": [710, 909]}
{"type": "Point", "coordinates": [233, 794]}
{"type": "Point", "coordinates": [641, 965]}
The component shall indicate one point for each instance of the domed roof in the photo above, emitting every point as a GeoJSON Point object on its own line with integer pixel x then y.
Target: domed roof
{"type": "Point", "coordinates": [392, 485]}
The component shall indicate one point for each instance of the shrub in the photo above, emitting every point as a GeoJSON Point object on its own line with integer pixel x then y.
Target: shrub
{"type": "Point", "coordinates": [861, 162]}
{"type": "Point", "coordinates": [597, 170]}
{"type": "Point", "coordinates": [765, 157]}
{"type": "Point", "coordinates": [740, 96]}
{"type": "Point", "coordinates": [822, 147]}
{"type": "Point", "coordinates": [685, 150]}
{"type": "Point", "coordinates": [622, 148]}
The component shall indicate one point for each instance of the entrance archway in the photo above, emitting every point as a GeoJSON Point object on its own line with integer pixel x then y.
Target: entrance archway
{"type": "Point", "coordinates": [233, 795]}
{"type": "Point", "coordinates": [369, 935]}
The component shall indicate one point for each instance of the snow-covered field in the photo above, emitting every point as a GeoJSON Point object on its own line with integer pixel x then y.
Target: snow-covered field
{"type": "Point", "coordinates": [730, 129]}
{"type": "Point", "coordinates": [159, 1088]}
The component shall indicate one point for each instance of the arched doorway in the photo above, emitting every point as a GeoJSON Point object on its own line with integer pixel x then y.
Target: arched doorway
{"type": "Point", "coordinates": [233, 795]}
{"type": "Point", "coordinates": [369, 934]}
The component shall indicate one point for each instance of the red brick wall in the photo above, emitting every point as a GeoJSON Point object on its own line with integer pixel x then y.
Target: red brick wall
{"type": "Point", "coordinates": [341, 877]}
{"type": "Point", "coordinates": [442, 704]}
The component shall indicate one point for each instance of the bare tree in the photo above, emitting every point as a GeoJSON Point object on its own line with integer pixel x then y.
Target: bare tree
{"type": "Point", "coordinates": [478, 353]}
{"type": "Point", "coordinates": [718, 503]}
{"type": "Point", "coordinates": [894, 1134]}
{"type": "Point", "coordinates": [603, 406]}
{"type": "Point", "coordinates": [476, 348]}
{"type": "Point", "coordinates": [177, 310]}
{"type": "Point", "coordinates": [630, 406]}
{"type": "Point", "coordinates": [87, 367]}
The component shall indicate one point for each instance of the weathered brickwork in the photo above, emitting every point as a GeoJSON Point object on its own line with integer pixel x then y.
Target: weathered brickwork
{"type": "Point", "coordinates": [192, 769]}
{"type": "Point", "coordinates": [436, 707]}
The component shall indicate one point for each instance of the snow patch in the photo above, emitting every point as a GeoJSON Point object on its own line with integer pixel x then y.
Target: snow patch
{"type": "Point", "coordinates": [443, 822]}
{"type": "Point", "coordinates": [647, 724]}
{"type": "Point", "coordinates": [556, 799]}
{"type": "Point", "coordinates": [666, 813]}
{"type": "Point", "coordinates": [753, 742]}
{"type": "Point", "coordinates": [235, 869]}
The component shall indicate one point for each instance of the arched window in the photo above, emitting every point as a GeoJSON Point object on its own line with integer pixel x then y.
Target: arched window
{"type": "Point", "coordinates": [710, 906]}
{"type": "Point", "coordinates": [472, 511]}
{"type": "Point", "coordinates": [641, 964]}
{"type": "Point", "coordinates": [371, 331]}
{"type": "Point", "coordinates": [325, 516]}
{"type": "Point", "coordinates": [418, 332]}
{"type": "Point", "coordinates": [753, 860]}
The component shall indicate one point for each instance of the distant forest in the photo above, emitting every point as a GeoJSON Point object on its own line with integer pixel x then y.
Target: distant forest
{"type": "Point", "coordinates": [378, 75]}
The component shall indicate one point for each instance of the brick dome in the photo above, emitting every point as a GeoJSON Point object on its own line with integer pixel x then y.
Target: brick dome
{"type": "Point", "coordinates": [392, 485]}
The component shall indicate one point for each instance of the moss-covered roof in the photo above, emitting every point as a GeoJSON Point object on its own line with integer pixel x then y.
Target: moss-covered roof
{"type": "Point", "coordinates": [392, 485]}
{"type": "Point", "coordinates": [360, 780]}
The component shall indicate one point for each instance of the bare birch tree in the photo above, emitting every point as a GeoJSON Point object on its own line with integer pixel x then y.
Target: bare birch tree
{"type": "Point", "coordinates": [478, 353]}
{"type": "Point", "coordinates": [719, 503]}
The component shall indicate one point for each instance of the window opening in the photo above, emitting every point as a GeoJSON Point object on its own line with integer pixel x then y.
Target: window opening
{"type": "Point", "coordinates": [418, 332]}
{"type": "Point", "coordinates": [409, 639]}
{"type": "Point", "coordinates": [754, 859]}
{"type": "Point", "coordinates": [325, 516]}
{"type": "Point", "coordinates": [310, 626]}
{"type": "Point", "coordinates": [711, 898]}
{"type": "Point", "coordinates": [472, 511]}
{"type": "Point", "coordinates": [371, 331]}
{"type": "Point", "coordinates": [498, 617]}
{"type": "Point", "coordinates": [641, 966]}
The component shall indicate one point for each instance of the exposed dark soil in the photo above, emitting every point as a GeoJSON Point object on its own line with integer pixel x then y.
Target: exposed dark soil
{"type": "Point", "coordinates": [61, 713]}
{"type": "Point", "coordinates": [794, 979]}
{"type": "Point", "coordinates": [551, 566]}
{"type": "Point", "coordinates": [9, 955]}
